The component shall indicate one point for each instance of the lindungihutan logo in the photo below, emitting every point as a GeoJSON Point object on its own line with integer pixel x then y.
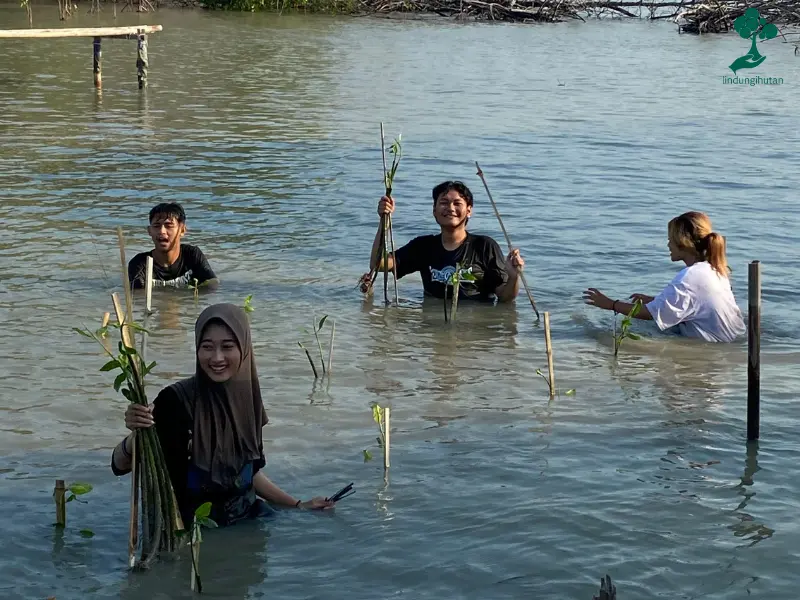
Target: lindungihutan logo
{"type": "Point", "coordinates": [752, 26]}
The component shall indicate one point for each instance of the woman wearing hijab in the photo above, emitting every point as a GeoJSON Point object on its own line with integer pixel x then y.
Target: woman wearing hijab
{"type": "Point", "coordinates": [209, 426]}
{"type": "Point", "coordinates": [698, 302]}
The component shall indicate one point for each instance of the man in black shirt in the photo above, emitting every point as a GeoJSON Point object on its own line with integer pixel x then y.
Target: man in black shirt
{"type": "Point", "coordinates": [436, 256]}
{"type": "Point", "coordinates": [174, 264]}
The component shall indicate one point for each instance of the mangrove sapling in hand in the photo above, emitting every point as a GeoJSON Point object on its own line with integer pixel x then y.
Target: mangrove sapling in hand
{"type": "Point", "coordinates": [625, 326]}
{"type": "Point", "coordinates": [160, 518]}
{"type": "Point", "coordinates": [367, 281]}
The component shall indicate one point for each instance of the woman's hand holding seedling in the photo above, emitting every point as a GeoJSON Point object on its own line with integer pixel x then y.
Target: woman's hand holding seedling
{"type": "Point", "coordinates": [139, 417]}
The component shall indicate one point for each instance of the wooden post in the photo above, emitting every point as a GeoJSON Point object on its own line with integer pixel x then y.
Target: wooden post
{"type": "Point", "coordinates": [141, 60]}
{"type": "Point", "coordinates": [106, 319]}
{"type": "Point", "coordinates": [549, 347]}
{"type": "Point", "coordinates": [753, 350]}
{"type": "Point", "coordinates": [148, 285]}
{"type": "Point", "coordinates": [386, 427]}
{"type": "Point", "coordinates": [59, 493]}
{"type": "Point", "coordinates": [98, 55]}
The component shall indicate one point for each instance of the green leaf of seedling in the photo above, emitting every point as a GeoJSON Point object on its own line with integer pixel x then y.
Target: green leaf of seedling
{"type": "Point", "coordinates": [634, 336]}
{"type": "Point", "coordinates": [322, 322]}
{"type": "Point", "coordinates": [83, 332]}
{"type": "Point", "coordinates": [377, 413]}
{"type": "Point", "coordinates": [179, 533]}
{"type": "Point", "coordinates": [80, 488]}
{"type": "Point", "coordinates": [119, 381]}
{"type": "Point", "coordinates": [206, 522]}
{"type": "Point", "coordinates": [71, 497]}
{"type": "Point", "coordinates": [380, 441]}
{"type": "Point", "coordinates": [203, 511]}
{"type": "Point", "coordinates": [87, 533]}
{"type": "Point", "coordinates": [367, 456]}
{"type": "Point", "coordinates": [570, 392]}
{"type": "Point", "coordinates": [538, 371]}
{"type": "Point", "coordinates": [127, 394]}
{"type": "Point", "coordinates": [111, 365]}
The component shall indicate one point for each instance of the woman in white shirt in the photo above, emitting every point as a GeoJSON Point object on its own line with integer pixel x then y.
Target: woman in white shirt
{"type": "Point", "coordinates": [699, 301]}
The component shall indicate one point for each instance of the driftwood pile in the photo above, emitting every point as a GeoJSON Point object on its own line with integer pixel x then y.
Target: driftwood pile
{"type": "Point", "coordinates": [692, 16]}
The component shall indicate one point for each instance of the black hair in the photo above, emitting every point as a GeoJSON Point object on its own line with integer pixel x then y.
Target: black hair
{"type": "Point", "coordinates": [168, 209]}
{"type": "Point", "coordinates": [448, 186]}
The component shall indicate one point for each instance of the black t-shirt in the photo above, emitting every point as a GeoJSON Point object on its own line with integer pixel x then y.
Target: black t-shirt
{"type": "Point", "coordinates": [436, 265]}
{"type": "Point", "coordinates": [192, 486]}
{"type": "Point", "coordinates": [191, 264]}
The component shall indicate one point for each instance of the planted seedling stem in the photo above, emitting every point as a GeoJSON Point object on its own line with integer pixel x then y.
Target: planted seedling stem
{"type": "Point", "coordinates": [625, 326]}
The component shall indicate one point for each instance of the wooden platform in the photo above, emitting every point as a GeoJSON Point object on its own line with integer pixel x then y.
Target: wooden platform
{"type": "Point", "coordinates": [92, 32]}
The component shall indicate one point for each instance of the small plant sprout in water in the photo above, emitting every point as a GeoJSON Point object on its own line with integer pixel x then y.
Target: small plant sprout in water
{"type": "Point", "coordinates": [201, 519]}
{"type": "Point", "coordinates": [248, 306]}
{"type": "Point", "coordinates": [625, 326]}
{"type": "Point", "coordinates": [569, 392]}
{"type": "Point", "coordinates": [381, 416]}
{"type": "Point", "coordinates": [317, 328]}
{"type": "Point", "coordinates": [454, 281]}
{"type": "Point", "coordinates": [60, 496]}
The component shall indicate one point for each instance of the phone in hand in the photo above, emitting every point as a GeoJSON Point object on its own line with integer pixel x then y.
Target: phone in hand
{"type": "Point", "coordinates": [342, 493]}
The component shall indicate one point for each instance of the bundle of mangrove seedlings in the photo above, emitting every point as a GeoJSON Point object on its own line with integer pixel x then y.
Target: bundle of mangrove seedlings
{"type": "Point", "coordinates": [160, 518]}
{"type": "Point", "coordinates": [385, 233]}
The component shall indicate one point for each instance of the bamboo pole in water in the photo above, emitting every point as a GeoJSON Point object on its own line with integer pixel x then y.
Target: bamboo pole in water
{"type": "Point", "coordinates": [59, 494]}
{"type": "Point", "coordinates": [97, 62]}
{"type": "Point", "coordinates": [753, 350]}
{"type": "Point", "coordinates": [508, 239]}
{"type": "Point", "coordinates": [549, 346]}
{"type": "Point", "coordinates": [80, 32]}
{"type": "Point", "coordinates": [148, 285]}
{"type": "Point", "coordinates": [386, 427]}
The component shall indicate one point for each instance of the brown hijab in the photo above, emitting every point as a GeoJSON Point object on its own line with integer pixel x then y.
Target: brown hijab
{"type": "Point", "coordinates": [228, 416]}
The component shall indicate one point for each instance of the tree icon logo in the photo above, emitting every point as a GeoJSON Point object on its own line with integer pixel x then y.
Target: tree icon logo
{"type": "Point", "coordinates": [752, 25]}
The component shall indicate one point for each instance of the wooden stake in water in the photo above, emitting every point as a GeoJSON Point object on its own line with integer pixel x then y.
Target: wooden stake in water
{"type": "Point", "coordinates": [148, 285]}
{"type": "Point", "coordinates": [386, 428]}
{"type": "Point", "coordinates": [59, 494]}
{"type": "Point", "coordinates": [330, 348]}
{"type": "Point", "coordinates": [196, 585]}
{"type": "Point", "coordinates": [508, 239]}
{"type": "Point", "coordinates": [133, 525]}
{"type": "Point", "coordinates": [753, 350]}
{"type": "Point", "coordinates": [549, 347]}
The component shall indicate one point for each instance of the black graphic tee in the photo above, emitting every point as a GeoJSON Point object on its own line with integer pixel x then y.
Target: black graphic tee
{"type": "Point", "coordinates": [479, 254]}
{"type": "Point", "coordinates": [191, 264]}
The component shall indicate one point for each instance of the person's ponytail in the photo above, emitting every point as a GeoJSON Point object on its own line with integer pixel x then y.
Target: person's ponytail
{"type": "Point", "coordinates": [715, 253]}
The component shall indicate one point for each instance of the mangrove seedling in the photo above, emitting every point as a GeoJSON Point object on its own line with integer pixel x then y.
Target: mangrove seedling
{"type": "Point", "coordinates": [61, 499]}
{"type": "Point", "coordinates": [201, 519]}
{"type": "Point", "coordinates": [160, 518]}
{"type": "Point", "coordinates": [317, 327]}
{"type": "Point", "coordinates": [625, 326]}
{"type": "Point", "coordinates": [569, 392]}
{"type": "Point", "coordinates": [381, 416]}
{"type": "Point", "coordinates": [368, 280]}
{"type": "Point", "coordinates": [248, 307]}
{"type": "Point", "coordinates": [454, 281]}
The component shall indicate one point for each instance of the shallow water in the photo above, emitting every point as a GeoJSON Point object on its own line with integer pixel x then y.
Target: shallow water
{"type": "Point", "coordinates": [266, 128]}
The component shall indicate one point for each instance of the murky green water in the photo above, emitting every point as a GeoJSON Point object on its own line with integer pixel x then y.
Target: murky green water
{"type": "Point", "coordinates": [266, 128]}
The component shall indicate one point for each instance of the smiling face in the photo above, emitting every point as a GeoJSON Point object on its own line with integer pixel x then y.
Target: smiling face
{"type": "Point", "coordinates": [451, 210]}
{"type": "Point", "coordinates": [166, 232]}
{"type": "Point", "coordinates": [219, 354]}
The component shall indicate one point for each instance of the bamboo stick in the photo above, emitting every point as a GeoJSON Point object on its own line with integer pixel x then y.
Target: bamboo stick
{"type": "Point", "coordinates": [97, 53]}
{"type": "Point", "coordinates": [133, 525]}
{"type": "Point", "coordinates": [387, 230]}
{"type": "Point", "coordinates": [508, 239]}
{"type": "Point", "coordinates": [753, 350]}
{"type": "Point", "coordinates": [142, 61]}
{"type": "Point", "coordinates": [386, 427]}
{"type": "Point", "coordinates": [148, 285]}
{"type": "Point", "coordinates": [330, 349]}
{"type": "Point", "coordinates": [106, 319]}
{"type": "Point", "coordinates": [79, 32]}
{"type": "Point", "coordinates": [59, 493]}
{"type": "Point", "coordinates": [549, 346]}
